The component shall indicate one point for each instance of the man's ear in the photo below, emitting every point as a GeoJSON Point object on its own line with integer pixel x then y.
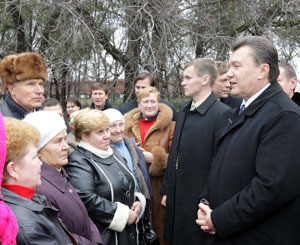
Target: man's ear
{"type": "Point", "coordinates": [12, 170]}
{"type": "Point", "coordinates": [264, 71]}
{"type": "Point", "coordinates": [293, 83]}
{"type": "Point", "coordinates": [206, 80]}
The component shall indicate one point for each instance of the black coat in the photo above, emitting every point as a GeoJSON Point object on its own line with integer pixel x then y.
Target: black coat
{"type": "Point", "coordinates": [254, 184]}
{"type": "Point", "coordinates": [232, 102]}
{"type": "Point", "coordinates": [193, 147]}
{"type": "Point", "coordinates": [101, 183]}
{"type": "Point", "coordinates": [38, 222]}
{"type": "Point", "coordinates": [127, 107]}
{"type": "Point", "coordinates": [9, 108]}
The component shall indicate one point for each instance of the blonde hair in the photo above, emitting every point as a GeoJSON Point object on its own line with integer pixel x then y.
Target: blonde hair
{"type": "Point", "coordinates": [145, 92]}
{"type": "Point", "coordinates": [19, 135]}
{"type": "Point", "coordinates": [88, 120]}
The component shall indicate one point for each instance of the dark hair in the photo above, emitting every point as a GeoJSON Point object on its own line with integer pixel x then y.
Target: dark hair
{"type": "Point", "coordinates": [204, 66]}
{"type": "Point", "coordinates": [142, 76]}
{"type": "Point", "coordinates": [99, 86]}
{"type": "Point", "coordinates": [74, 101]}
{"type": "Point", "coordinates": [264, 52]}
{"type": "Point", "coordinates": [50, 102]}
{"type": "Point", "coordinates": [288, 69]}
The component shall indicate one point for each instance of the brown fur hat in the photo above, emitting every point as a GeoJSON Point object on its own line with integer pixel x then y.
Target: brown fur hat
{"type": "Point", "coordinates": [28, 65]}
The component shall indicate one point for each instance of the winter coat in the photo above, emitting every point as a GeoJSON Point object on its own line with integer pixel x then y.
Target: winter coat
{"type": "Point", "coordinates": [158, 140]}
{"type": "Point", "coordinates": [58, 190]}
{"type": "Point", "coordinates": [129, 106]}
{"type": "Point", "coordinates": [107, 188]}
{"type": "Point", "coordinates": [189, 163]}
{"type": "Point", "coordinates": [254, 184]}
{"type": "Point", "coordinates": [9, 108]}
{"type": "Point", "coordinates": [38, 222]}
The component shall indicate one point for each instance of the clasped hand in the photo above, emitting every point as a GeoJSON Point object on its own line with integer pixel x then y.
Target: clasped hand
{"type": "Point", "coordinates": [204, 219]}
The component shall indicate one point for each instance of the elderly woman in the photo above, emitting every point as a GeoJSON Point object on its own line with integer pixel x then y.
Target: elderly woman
{"type": "Point", "coordinates": [128, 149]}
{"type": "Point", "coordinates": [152, 127]}
{"type": "Point", "coordinates": [38, 222]}
{"type": "Point", "coordinates": [52, 150]}
{"type": "Point", "coordinates": [103, 181]}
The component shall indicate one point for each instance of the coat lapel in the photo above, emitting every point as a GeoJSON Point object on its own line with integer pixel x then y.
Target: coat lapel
{"type": "Point", "coordinates": [236, 120]}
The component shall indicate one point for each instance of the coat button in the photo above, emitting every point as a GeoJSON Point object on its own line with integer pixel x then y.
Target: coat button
{"type": "Point", "coordinates": [131, 236]}
{"type": "Point", "coordinates": [70, 190]}
{"type": "Point", "coordinates": [128, 193]}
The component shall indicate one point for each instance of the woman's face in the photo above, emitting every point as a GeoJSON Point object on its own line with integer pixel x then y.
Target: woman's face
{"type": "Point", "coordinates": [98, 138]}
{"type": "Point", "coordinates": [55, 153]}
{"type": "Point", "coordinates": [117, 129]}
{"type": "Point", "coordinates": [29, 168]}
{"type": "Point", "coordinates": [149, 105]}
{"type": "Point", "coordinates": [71, 107]}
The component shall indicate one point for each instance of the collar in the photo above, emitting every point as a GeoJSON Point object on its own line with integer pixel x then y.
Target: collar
{"type": "Point", "coordinates": [255, 96]}
{"type": "Point", "coordinates": [96, 151]}
{"type": "Point", "coordinates": [37, 204]}
{"type": "Point", "coordinates": [22, 191]}
{"type": "Point", "coordinates": [118, 144]}
{"type": "Point", "coordinates": [19, 111]}
{"type": "Point", "coordinates": [203, 108]}
{"type": "Point", "coordinates": [197, 103]}
{"type": "Point", "coordinates": [58, 179]}
{"type": "Point", "coordinates": [148, 119]}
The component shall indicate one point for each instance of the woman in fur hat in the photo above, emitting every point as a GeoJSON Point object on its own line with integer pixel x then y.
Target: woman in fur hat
{"type": "Point", "coordinates": [152, 127]}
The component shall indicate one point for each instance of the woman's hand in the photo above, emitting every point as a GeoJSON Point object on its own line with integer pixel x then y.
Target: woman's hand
{"type": "Point", "coordinates": [137, 207]}
{"type": "Point", "coordinates": [132, 217]}
{"type": "Point", "coordinates": [134, 213]}
{"type": "Point", "coordinates": [148, 156]}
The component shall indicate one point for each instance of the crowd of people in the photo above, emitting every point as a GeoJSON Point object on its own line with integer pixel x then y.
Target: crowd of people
{"type": "Point", "coordinates": [223, 170]}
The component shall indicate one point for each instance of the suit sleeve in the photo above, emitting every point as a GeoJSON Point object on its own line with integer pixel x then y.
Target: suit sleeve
{"type": "Point", "coordinates": [276, 183]}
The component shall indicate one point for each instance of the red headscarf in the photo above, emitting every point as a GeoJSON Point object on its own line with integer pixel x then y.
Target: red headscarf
{"type": "Point", "coordinates": [8, 224]}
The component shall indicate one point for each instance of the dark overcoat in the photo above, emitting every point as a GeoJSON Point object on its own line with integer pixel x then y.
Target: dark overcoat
{"type": "Point", "coordinates": [189, 163]}
{"type": "Point", "coordinates": [254, 183]}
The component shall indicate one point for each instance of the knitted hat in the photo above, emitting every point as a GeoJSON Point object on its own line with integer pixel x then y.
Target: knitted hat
{"type": "Point", "coordinates": [114, 115]}
{"type": "Point", "coordinates": [8, 224]}
{"type": "Point", "coordinates": [28, 65]}
{"type": "Point", "coordinates": [48, 123]}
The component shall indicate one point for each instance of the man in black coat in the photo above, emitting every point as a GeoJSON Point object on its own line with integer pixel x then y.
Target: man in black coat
{"type": "Point", "coordinates": [141, 81]}
{"type": "Point", "coordinates": [99, 97]}
{"type": "Point", "coordinates": [253, 188]}
{"type": "Point", "coordinates": [288, 80]}
{"type": "Point", "coordinates": [199, 125]}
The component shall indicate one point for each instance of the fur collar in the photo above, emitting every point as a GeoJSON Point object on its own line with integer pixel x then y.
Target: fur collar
{"type": "Point", "coordinates": [163, 119]}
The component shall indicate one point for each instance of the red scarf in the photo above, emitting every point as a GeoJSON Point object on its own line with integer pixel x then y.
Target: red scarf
{"type": "Point", "coordinates": [21, 190]}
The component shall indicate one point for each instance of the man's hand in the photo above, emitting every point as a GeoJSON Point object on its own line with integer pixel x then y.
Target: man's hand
{"type": "Point", "coordinates": [204, 219]}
